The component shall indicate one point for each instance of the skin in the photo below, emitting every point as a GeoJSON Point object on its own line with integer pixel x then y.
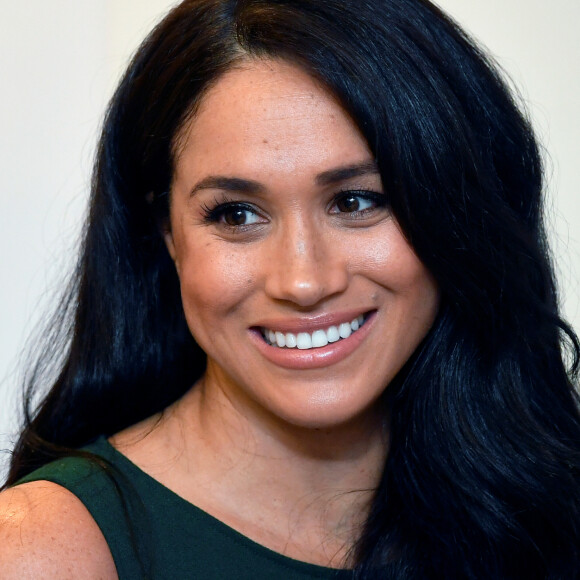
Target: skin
{"type": "Point", "coordinates": [298, 257]}
{"type": "Point", "coordinates": [288, 444]}
{"type": "Point", "coordinates": [286, 453]}
{"type": "Point", "coordinates": [46, 532]}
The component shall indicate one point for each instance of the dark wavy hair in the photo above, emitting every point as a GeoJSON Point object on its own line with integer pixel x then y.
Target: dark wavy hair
{"type": "Point", "coordinates": [483, 475]}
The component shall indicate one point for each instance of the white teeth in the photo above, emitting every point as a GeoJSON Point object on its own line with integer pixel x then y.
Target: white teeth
{"type": "Point", "coordinates": [316, 339]}
{"type": "Point", "coordinates": [304, 340]}
{"type": "Point", "coordinates": [345, 330]}
{"type": "Point", "coordinates": [319, 338]}
{"type": "Point", "coordinates": [332, 334]}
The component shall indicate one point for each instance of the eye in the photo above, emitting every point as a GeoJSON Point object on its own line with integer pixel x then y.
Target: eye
{"type": "Point", "coordinates": [352, 203]}
{"type": "Point", "coordinates": [238, 216]}
{"type": "Point", "coordinates": [358, 203]}
{"type": "Point", "coordinates": [232, 215]}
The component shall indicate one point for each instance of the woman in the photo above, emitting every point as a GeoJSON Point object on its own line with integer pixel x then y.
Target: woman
{"type": "Point", "coordinates": [314, 315]}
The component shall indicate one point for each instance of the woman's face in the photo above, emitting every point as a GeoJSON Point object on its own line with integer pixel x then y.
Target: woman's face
{"type": "Point", "coordinates": [295, 278]}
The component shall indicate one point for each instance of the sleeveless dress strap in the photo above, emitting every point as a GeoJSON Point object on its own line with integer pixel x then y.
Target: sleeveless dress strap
{"type": "Point", "coordinates": [154, 533]}
{"type": "Point", "coordinates": [105, 493]}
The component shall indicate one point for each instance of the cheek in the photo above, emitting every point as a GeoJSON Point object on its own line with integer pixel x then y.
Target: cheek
{"type": "Point", "coordinates": [391, 263]}
{"type": "Point", "coordinates": [213, 281]}
{"type": "Point", "coordinates": [387, 256]}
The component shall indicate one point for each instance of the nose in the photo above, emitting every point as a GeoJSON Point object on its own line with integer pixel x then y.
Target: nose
{"type": "Point", "coordinates": [305, 266]}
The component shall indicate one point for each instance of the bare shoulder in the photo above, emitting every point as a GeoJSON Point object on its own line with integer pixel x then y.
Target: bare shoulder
{"type": "Point", "coordinates": [46, 532]}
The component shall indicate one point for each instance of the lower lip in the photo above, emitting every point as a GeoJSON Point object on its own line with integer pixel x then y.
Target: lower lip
{"type": "Point", "coordinates": [314, 358]}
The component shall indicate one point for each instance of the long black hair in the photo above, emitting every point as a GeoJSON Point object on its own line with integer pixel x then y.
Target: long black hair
{"type": "Point", "coordinates": [483, 474]}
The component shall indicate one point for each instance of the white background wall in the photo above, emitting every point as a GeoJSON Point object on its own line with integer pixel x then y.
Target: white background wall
{"type": "Point", "coordinates": [60, 60]}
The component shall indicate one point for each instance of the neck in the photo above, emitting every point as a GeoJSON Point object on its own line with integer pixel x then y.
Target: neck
{"type": "Point", "coordinates": [312, 486]}
{"type": "Point", "coordinates": [236, 432]}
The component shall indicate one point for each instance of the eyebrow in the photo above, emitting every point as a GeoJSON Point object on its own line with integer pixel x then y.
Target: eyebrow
{"type": "Point", "coordinates": [249, 186]}
{"type": "Point", "coordinates": [234, 184]}
{"type": "Point", "coordinates": [344, 173]}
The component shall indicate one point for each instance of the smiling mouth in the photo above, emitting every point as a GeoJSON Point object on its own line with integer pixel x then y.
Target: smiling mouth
{"type": "Point", "coordinates": [310, 340]}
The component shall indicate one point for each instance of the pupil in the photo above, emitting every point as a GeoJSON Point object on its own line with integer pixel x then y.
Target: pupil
{"type": "Point", "coordinates": [348, 204]}
{"type": "Point", "coordinates": [236, 217]}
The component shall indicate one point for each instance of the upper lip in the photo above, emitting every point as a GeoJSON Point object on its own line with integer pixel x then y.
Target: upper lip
{"type": "Point", "coordinates": [311, 323]}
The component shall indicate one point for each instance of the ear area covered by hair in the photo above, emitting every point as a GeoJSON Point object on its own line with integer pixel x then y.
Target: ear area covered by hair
{"type": "Point", "coordinates": [170, 244]}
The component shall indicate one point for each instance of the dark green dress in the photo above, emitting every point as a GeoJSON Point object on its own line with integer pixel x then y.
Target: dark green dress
{"type": "Point", "coordinates": [153, 533]}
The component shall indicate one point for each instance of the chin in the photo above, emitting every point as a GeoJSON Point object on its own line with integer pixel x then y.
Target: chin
{"type": "Point", "coordinates": [332, 415]}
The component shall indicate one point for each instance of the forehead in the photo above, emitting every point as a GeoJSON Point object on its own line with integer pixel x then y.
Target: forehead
{"type": "Point", "coordinates": [273, 113]}
{"type": "Point", "coordinates": [268, 88]}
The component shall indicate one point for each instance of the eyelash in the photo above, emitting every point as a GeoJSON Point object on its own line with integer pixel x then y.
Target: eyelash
{"type": "Point", "coordinates": [378, 199]}
{"type": "Point", "coordinates": [215, 212]}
